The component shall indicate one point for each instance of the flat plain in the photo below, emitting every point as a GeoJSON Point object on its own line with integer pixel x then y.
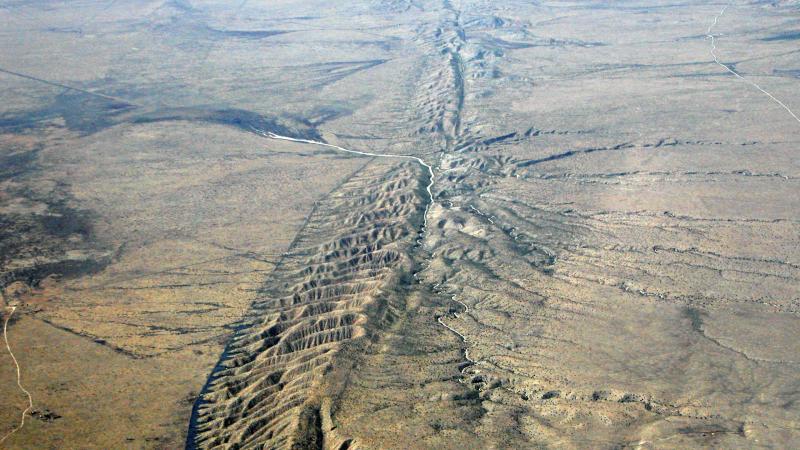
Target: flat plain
{"type": "Point", "coordinates": [400, 224]}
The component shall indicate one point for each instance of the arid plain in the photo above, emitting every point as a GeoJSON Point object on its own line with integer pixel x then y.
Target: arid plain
{"type": "Point", "coordinates": [400, 224]}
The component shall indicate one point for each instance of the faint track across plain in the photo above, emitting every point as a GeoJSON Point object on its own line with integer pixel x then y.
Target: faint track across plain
{"type": "Point", "coordinates": [19, 377]}
{"type": "Point", "coordinates": [377, 155]}
{"type": "Point", "coordinates": [711, 36]}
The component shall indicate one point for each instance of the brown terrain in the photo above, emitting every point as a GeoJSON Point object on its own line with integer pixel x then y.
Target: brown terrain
{"type": "Point", "coordinates": [400, 224]}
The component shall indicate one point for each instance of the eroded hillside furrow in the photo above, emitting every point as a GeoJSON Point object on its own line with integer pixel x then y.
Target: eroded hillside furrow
{"type": "Point", "coordinates": [265, 392]}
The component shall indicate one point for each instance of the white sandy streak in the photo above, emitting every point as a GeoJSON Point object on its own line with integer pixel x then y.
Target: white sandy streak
{"type": "Point", "coordinates": [356, 152]}
{"type": "Point", "coordinates": [726, 67]}
{"type": "Point", "coordinates": [19, 377]}
{"type": "Point", "coordinates": [425, 218]}
{"type": "Point", "coordinates": [463, 338]}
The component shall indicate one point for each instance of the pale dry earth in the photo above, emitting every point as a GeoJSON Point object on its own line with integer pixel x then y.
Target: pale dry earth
{"type": "Point", "coordinates": [609, 256]}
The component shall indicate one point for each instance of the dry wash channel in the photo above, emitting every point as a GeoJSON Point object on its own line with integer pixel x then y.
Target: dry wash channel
{"type": "Point", "coordinates": [268, 390]}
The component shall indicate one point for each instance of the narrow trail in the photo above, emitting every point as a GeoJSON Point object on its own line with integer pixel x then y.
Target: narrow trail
{"type": "Point", "coordinates": [377, 155]}
{"type": "Point", "coordinates": [711, 36]}
{"type": "Point", "coordinates": [19, 378]}
{"type": "Point", "coordinates": [425, 217]}
{"type": "Point", "coordinates": [64, 86]}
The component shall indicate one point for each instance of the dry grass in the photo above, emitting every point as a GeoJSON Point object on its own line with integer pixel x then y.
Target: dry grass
{"type": "Point", "coordinates": [611, 256]}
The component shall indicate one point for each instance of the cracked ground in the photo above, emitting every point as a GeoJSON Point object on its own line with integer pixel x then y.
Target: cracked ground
{"type": "Point", "coordinates": [400, 224]}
